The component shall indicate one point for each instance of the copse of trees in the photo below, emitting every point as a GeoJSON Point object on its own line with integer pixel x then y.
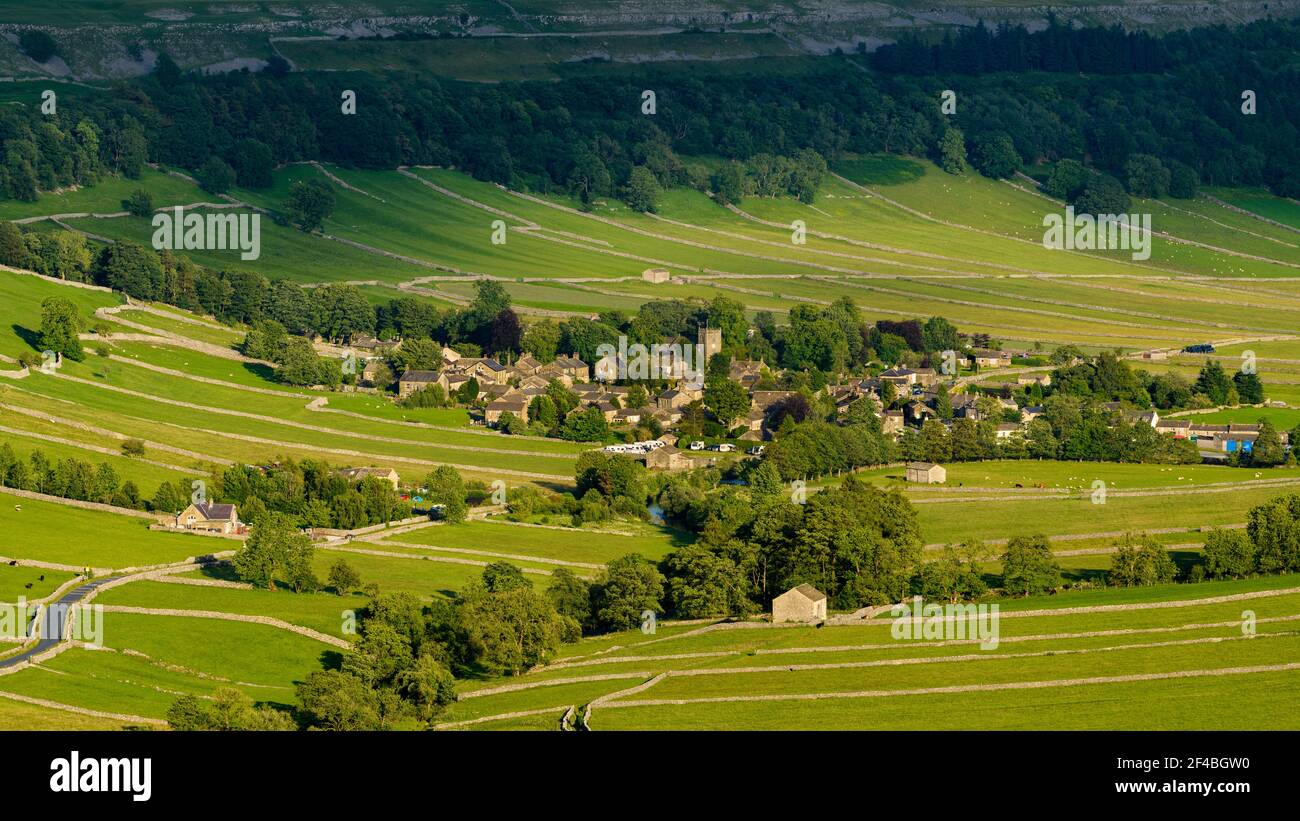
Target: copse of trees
{"type": "Point", "coordinates": [310, 493]}
{"type": "Point", "coordinates": [67, 478]}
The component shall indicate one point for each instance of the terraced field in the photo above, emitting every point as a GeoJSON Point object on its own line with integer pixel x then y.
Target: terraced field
{"type": "Point", "coordinates": [1176, 658]}
{"type": "Point", "coordinates": [964, 247]}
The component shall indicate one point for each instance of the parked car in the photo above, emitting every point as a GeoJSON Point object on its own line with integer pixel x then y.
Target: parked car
{"type": "Point", "coordinates": [697, 445]}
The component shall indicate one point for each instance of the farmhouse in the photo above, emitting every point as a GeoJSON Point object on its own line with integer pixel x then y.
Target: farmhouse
{"type": "Point", "coordinates": [370, 372]}
{"type": "Point", "coordinates": [926, 472]}
{"type": "Point", "coordinates": [209, 518]}
{"type": "Point", "coordinates": [804, 603]}
{"type": "Point", "coordinates": [358, 474]}
{"type": "Point", "coordinates": [412, 381]}
{"type": "Point", "coordinates": [985, 358]}
{"type": "Point", "coordinates": [514, 402]}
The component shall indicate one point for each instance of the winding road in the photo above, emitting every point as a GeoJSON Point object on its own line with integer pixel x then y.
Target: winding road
{"type": "Point", "coordinates": [64, 604]}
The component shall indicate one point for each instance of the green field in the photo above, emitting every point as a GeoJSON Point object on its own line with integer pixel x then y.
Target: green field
{"type": "Point", "coordinates": [757, 678]}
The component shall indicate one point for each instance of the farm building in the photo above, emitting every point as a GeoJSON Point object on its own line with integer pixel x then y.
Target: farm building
{"type": "Point", "coordinates": [666, 458]}
{"type": "Point", "coordinates": [656, 275]}
{"type": "Point", "coordinates": [804, 603]}
{"type": "Point", "coordinates": [209, 517]}
{"type": "Point", "coordinates": [413, 381]}
{"type": "Point", "coordinates": [926, 472]}
{"type": "Point", "coordinates": [986, 358]}
{"type": "Point", "coordinates": [358, 474]}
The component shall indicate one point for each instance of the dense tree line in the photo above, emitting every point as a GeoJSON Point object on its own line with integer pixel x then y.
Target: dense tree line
{"type": "Point", "coordinates": [1103, 94]}
{"type": "Point", "coordinates": [68, 478]}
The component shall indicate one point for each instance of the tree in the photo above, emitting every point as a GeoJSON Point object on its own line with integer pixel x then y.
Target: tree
{"type": "Point", "coordinates": [13, 251]}
{"type": "Point", "coordinates": [167, 499]}
{"type": "Point", "coordinates": [1183, 181]}
{"type": "Point", "coordinates": [446, 488]}
{"type": "Point", "coordinates": [996, 156]}
{"type": "Point", "coordinates": [1213, 382]}
{"type": "Point", "coordinates": [1102, 195]}
{"type": "Point", "coordinates": [955, 575]}
{"type": "Point", "coordinates": [542, 340]}
{"type": "Point", "coordinates": [952, 151]}
{"type": "Point", "coordinates": [333, 700]}
{"type": "Point", "coordinates": [728, 183]}
{"type": "Point", "coordinates": [642, 191]}
{"type": "Point", "coordinates": [428, 685]}
{"type": "Point", "coordinates": [507, 333]}
{"type": "Point", "coordinates": [343, 577]}
{"type": "Point", "coordinates": [341, 311]}
{"type": "Point", "coordinates": [253, 163]}
{"type": "Point", "coordinates": [542, 410]}
{"type": "Point", "coordinates": [60, 325]}
{"type": "Point", "coordinates": [726, 399]}
{"type": "Point", "coordinates": [1028, 566]}
{"type": "Point", "coordinates": [587, 425]}
{"type": "Point", "coordinates": [1067, 180]}
{"type": "Point", "coordinates": [1267, 451]}
{"type": "Point", "coordinates": [511, 630]}
{"type": "Point", "coordinates": [1141, 561]}
{"type": "Point", "coordinates": [1147, 177]}
{"type": "Point", "coordinates": [1274, 529]}
{"type": "Point", "coordinates": [1228, 554]}
{"type": "Point", "coordinates": [702, 584]}
{"type": "Point", "coordinates": [626, 588]}
{"type": "Point", "coordinates": [499, 577]}
{"type": "Point", "coordinates": [140, 203]}
{"type": "Point", "coordinates": [637, 397]}
{"type": "Point", "coordinates": [570, 594]}
{"type": "Point", "coordinates": [490, 299]}
{"type": "Point", "coordinates": [1250, 389]}
{"type": "Point", "coordinates": [215, 176]}
{"type": "Point", "coordinates": [275, 549]}
{"type": "Point", "coordinates": [129, 267]}
{"type": "Point", "coordinates": [228, 709]}
{"type": "Point", "coordinates": [310, 203]}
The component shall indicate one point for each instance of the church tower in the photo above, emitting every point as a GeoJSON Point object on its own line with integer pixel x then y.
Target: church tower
{"type": "Point", "coordinates": [711, 339]}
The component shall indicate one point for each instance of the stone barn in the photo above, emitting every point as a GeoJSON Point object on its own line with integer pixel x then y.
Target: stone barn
{"type": "Point", "coordinates": [926, 473]}
{"type": "Point", "coordinates": [804, 603]}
